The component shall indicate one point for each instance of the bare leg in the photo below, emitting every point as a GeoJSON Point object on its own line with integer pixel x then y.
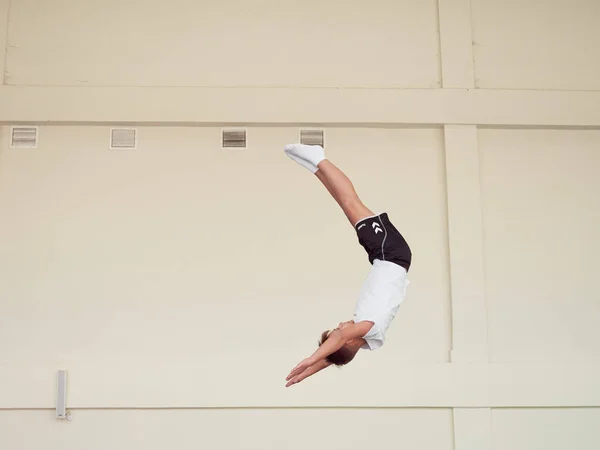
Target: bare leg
{"type": "Point", "coordinates": [342, 190]}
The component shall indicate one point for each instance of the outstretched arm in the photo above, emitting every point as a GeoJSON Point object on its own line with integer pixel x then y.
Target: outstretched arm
{"type": "Point", "coordinates": [308, 372]}
{"type": "Point", "coordinates": [335, 341]}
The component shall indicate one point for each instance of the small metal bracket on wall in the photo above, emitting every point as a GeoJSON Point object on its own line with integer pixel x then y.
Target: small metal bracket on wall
{"type": "Point", "coordinates": [61, 396]}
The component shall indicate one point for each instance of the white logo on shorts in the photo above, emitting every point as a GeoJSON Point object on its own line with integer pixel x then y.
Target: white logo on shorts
{"type": "Point", "coordinates": [376, 228]}
{"type": "Point", "coordinates": [363, 225]}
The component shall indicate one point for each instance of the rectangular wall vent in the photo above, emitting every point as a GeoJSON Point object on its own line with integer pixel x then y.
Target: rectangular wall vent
{"type": "Point", "coordinates": [312, 137]}
{"type": "Point", "coordinates": [123, 138]}
{"type": "Point", "coordinates": [233, 138]}
{"type": "Point", "coordinates": [24, 137]}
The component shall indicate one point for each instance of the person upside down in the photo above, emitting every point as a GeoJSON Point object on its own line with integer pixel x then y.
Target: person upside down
{"type": "Point", "coordinates": [385, 287]}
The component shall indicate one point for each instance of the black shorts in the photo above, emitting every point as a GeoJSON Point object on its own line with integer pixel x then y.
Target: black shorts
{"type": "Point", "coordinates": [383, 241]}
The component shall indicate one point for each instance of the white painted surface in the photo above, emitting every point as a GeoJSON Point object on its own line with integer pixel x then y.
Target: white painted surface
{"type": "Point", "coordinates": [224, 43]}
{"type": "Point", "coordinates": [183, 253]}
{"type": "Point", "coordinates": [229, 429]}
{"type": "Point", "coordinates": [354, 107]}
{"type": "Point", "coordinates": [552, 44]}
{"type": "Point", "coordinates": [551, 429]}
{"type": "Point", "coordinates": [473, 429]}
{"type": "Point", "coordinates": [130, 247]}
{"type": "Point", "coordinates": [4, 9]}
{"type": "Point", "coordinates": [456, 52]}
{"type": "Point", "coordinates": [465, 232]}
{"type": "Point", "coordinates": [541, 216]}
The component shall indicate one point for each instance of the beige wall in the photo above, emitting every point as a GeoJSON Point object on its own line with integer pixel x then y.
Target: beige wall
{"type": "Point", "coordinates": [227, 429]}
{"type": "Point", "coordinates": [224, 43]}
{"type": "Point", "coordinates": [541, 216]}
{"type": "Point", "coordinates": [547, 428]}
{"type": "Point", "coordinates": [551, 44]}
{"type": "Point", "coordinates": [180, 249]}
{"type": "Point", "coordinates": [178, 283]}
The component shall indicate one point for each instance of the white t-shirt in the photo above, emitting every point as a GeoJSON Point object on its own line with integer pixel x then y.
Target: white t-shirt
{"type": "Point", "coordinates": [379, 300]}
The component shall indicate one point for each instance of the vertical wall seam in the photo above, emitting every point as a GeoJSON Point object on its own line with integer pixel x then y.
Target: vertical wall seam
{"type": "Point", "coordinates": [5, 56]}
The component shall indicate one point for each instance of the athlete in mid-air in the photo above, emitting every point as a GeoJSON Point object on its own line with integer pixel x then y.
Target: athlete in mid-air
{"type": "Point", "coordinates": [385, 287]}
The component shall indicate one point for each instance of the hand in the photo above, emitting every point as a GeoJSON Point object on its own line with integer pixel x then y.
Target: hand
{"type": "Point", "coordinates": [311, 370]}
{"type": "Point", "coordinates": [305, 364]}
{"type": "Point", "coordinates": [297, 379]}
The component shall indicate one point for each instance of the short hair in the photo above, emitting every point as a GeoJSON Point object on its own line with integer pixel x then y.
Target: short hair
{"type": "Point", "coordinates": [340, 357]}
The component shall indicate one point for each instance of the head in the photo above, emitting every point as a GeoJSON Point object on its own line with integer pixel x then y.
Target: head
{"type": "Point", "coordinates": [345, 354]}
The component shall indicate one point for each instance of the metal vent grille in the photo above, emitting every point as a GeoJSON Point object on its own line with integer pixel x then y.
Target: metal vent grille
{"type": "Point", "coordinates": [233, 138]}
{"type": "Point", "coordinates": [24, 137]}
{"type": "Point", "coordinates": [123, 138]}
{"type": "Point", "coordinates": [312, 137]}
